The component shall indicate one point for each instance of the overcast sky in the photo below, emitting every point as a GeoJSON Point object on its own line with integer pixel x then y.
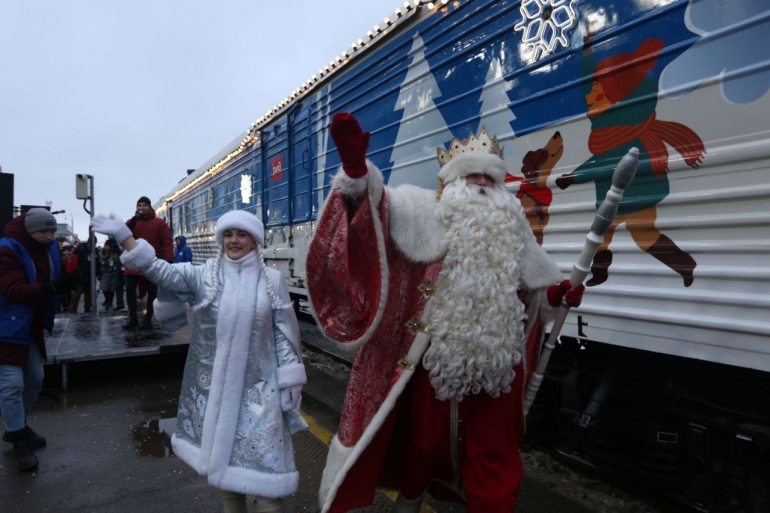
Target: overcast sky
{"type": "Point", "coordinates": [137, 92]}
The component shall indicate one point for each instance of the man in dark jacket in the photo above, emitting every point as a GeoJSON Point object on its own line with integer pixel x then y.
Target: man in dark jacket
{"type": "Point", "coordinates": [29, 281]}
{"type": "Point", "coordinates": [183, 252]}
{"type": "Point", "coordinates": [144, 225]}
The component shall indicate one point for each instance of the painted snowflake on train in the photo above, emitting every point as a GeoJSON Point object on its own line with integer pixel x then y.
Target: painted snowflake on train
{"type": "Point", "coordinates": [544, 24]}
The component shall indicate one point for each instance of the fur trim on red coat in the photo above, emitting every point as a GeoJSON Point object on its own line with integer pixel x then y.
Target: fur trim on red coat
{"type": "Point", "coordinates": [466, 164]}
{"type": "Point", "coordinates": [340, 458]}
{"type": "Point", "coordinates": [419, 235]}
{"type": "Point", "coordinates": [355, 188]}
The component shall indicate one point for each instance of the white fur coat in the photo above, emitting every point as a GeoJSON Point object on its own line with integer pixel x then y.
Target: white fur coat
{"type": "Point", "coordinates": [230, 425]}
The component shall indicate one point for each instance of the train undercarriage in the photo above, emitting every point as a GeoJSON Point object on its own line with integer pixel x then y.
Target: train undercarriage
{"type": "Point", "coordinates": [697, 432]}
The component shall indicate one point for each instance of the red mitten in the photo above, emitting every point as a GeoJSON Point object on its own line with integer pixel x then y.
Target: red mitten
{"type": "Point", "coordinates": [572, 297]}
{"type": "Point", "coordinates": [575, 296]}
{"type": "Point", "coordinates": [351, 142]}
{"type": "Point", "coordinates": [556, 292]}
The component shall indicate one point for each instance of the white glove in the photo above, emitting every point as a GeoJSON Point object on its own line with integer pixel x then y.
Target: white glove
{"type": "Point", "coordinates": [291, 398]}
{"type": "Point", "coordinates": [112, 226]}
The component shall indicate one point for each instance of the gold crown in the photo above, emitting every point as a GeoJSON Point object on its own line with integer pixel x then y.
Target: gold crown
{"type": "Point", "coordinates": [474, 144]}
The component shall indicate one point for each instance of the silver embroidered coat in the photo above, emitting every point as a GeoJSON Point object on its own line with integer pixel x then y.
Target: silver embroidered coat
{"type": "Point", "coordinates": [230, 425]}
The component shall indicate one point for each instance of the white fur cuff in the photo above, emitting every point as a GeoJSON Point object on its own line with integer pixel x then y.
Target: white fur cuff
{"type": "Point", "coordinates": [349, 187]}
{"type": "Point", "coordinates": [291, 374]}
{"type": "Point", "coordinates": [355, 188]}
{"type": "Point", "coordinates": [165, 310]}
{"type": "Point", "coordinates": [140, 258]}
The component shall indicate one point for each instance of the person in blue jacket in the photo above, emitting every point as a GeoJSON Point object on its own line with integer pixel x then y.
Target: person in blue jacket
{"type": "Point", "coordinates": [29, 283]}
{"type": "Point", "coordinates": [182, 253]}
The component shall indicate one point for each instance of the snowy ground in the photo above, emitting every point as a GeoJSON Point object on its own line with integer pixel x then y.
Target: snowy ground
{"type": "Point", "coordinates": [596, 494]}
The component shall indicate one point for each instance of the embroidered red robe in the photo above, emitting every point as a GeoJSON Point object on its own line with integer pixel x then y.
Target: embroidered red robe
{"type": "Point", "coordinates": [371, 290]}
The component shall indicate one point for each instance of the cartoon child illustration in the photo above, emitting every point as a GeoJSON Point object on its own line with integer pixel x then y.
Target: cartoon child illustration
{"type": "Point", "coordinates": [533, 192]}
{"type": "Point", "coordinates": [621, 101]}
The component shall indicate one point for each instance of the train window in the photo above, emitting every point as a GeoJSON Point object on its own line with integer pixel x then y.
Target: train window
{"type": "Point", "coordinates": [246, 189]}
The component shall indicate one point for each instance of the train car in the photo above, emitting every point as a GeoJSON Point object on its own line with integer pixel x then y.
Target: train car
{"type": "Point", "coordinates": [663, 374]}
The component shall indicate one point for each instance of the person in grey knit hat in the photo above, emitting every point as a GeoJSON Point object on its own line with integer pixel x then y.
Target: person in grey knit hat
{"type": "Point", "coordinates": [29, 284]}
{"type": "Point", "coordinates": [39, 219]}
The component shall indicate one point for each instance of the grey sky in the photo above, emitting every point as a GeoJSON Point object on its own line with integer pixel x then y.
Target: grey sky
{"type": "Point", "coordinates": [136, 92]}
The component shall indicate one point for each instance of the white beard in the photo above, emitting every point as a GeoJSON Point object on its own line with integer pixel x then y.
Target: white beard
{"type": "Point", "coordinates": [477, 325]}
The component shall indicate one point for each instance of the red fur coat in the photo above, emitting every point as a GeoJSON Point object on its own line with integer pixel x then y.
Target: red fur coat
{"type": "Point", "coordinates": [371, 270]}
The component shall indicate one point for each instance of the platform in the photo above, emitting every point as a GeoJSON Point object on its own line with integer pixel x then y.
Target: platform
{"type": "Point", "coordinates": [109, 433]}
{"type": "Point", "coordinates": [109, 448]}
{"type": "Point", "coordinates": [84, 337]}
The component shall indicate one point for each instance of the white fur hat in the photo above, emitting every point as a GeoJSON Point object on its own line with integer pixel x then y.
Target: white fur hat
{"type": "Point", "coordinates": [466, 164]}
{"type": "Point", "coordinates": [240, 220]}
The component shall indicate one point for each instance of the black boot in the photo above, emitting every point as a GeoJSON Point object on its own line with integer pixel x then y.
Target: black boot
{"type": "Point", "coordinates": [666, 250]}
{"type": "Point", "coordinates": [36, 441]}
{"type": "Point", "coordinates": [147, 322]}
{"type": "Point", "coordinates": [132, 324]}
{"type": "Point", "coordinates": [600, 268]}
{"type": "Point", "coordinates": [22, 448]}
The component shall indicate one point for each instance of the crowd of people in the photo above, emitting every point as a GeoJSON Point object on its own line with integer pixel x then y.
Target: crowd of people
{"type": "Point", "coordinates": [118, 285]}
{"type": "Point", "coordinates": [445, 294]}
{"type": "Point", "coordinates": [40, 277]}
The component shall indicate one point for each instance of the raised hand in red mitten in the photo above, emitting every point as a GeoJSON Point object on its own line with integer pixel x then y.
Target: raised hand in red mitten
{"type": "Point", "coordinates": [351, 142]}
{"type": "Point", "coordinates": [572, 297]}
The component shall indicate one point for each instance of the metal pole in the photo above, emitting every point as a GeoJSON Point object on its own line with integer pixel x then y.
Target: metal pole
{"type": "Point", "coordinates": [92, 240]}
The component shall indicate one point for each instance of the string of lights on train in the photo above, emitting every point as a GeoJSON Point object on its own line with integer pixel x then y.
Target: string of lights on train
{"type": "Point", "coordinates": [252, 134]}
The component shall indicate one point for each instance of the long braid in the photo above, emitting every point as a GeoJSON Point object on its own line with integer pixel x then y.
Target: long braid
{"type": "Point", "coordinates": [214, 286]}
{"type": "Point", "coordinates": [215, 277]}
{"type": "Point", "coordinates": [274, 301]}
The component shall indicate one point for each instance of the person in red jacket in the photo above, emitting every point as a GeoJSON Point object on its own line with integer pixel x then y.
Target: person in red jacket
{"type": "Point", "coordinates": [69, 260]}
{"type": "Point", "coordinates": [69, 268]}
{"type": "Point", "coordinates": [144, 225]}
{"type": "Point", "coordinates": [29, 281]}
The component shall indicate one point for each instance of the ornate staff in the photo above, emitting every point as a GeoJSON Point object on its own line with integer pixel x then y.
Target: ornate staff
{"type": "Point", "coordinates": [622, 176]}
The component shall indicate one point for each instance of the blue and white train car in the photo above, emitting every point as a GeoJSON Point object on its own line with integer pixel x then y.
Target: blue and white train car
{"type": "Point", "coordinates": [663, 374]}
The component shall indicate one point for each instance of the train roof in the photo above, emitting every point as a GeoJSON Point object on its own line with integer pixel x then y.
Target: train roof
{"type": "Point", "coordinates": [200, 170]}
{"type": "Point", "coordinates": [401, 15]}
